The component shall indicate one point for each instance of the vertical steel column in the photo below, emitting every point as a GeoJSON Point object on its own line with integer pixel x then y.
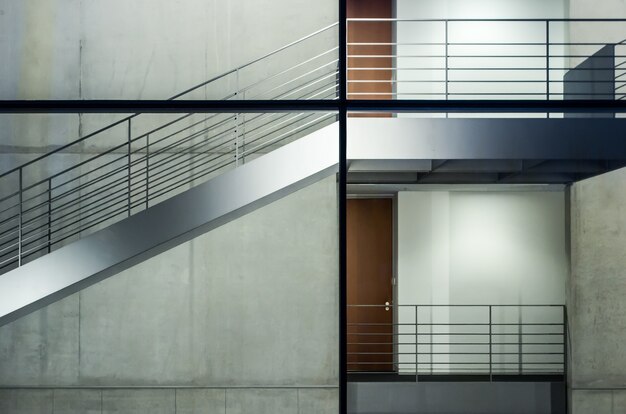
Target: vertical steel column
{"type": "Point", "coordinates": [343, 175]}
{"type": "Point", "coordinates": [129, 168]}
{"type": "Point", "coordinates": [49, 215]}
{"type": "Point", "coordinates": [343, 288]}
{"type": "Point", "coordinates": [19, 228]}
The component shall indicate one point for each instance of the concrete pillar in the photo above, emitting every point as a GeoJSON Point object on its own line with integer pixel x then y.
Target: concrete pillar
{"type": "Point", "coordinates": [596, 292]}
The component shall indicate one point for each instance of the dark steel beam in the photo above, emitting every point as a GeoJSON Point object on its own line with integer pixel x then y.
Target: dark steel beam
{"type": "Point", "coordinates": [259, 106]}
{"type": "Point", "coordinates": [165, 106]}
{"type": "Point", "coordinates": [343, 195]}
{"type": "Point", "coordinates": [523, 106]}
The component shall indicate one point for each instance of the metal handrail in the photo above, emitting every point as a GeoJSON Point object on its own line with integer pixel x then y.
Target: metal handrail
{"type": "Point", "coordinates": [563, 20]}
{"type": "Point", "coordinates": [154, 164]}
{"type": "Point", "coordinates": [484, 342]}
{"type": "Point", "coordinates": [178, 95]}
{"type": "Point", "coordinates": [496, 80]}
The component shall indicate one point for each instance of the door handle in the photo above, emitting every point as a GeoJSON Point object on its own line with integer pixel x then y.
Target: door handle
{"type": "Point", "coordinates": [386, 306]}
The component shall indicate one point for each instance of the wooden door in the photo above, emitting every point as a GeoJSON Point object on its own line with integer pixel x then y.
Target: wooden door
{"type": "Point", "coordinates": [374, 83]}
{"type": "Point", "coordinates": [370, 265]}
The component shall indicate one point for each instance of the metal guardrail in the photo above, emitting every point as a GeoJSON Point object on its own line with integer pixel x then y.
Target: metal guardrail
{"type": "Point", "coordinates": [458, 339]}
{"type": "Point", "coordinates": [143, 159]}
{"type": "Point", "coordinates": [457, 59]}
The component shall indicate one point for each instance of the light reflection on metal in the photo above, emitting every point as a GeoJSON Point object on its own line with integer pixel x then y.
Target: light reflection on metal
{"type": "Point", "coordinates": [165, 225]}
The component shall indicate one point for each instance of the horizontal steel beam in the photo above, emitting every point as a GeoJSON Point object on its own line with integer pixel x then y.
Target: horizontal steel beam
{"type": "Point", "coordinates": [392, 145]}
{"type": "Point", "coordinates": [301, 105]}
{"type": "Point", "coordinates": [486, 139]}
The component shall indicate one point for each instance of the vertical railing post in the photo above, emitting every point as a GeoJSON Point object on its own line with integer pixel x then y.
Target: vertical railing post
{"type": "Point", "coordinates": [490, 345]}
{"type": "Point", "coordinates": [416, 343]}
{"type": "Point", "coordinates": [129, 184]}
{"type": "Point", "coordinates": [147, 171]}
{"type": "Point", "coordinates": [236, 140]}
{"type": "Point", "coordinates": [237, 116]}
{"type": "Point", "coordinates": [565, 344]}
{"type": "Point", "coordinates": [49, 215]}
{"type": "Point", "coordinates": [20, 220]}
{"type": "Point", "coordinates": [548, 61]}
{"type": "Point", "coordinates": [520, 340]}
{"type": "Point", "coordinates": [446, 59]}
{"type": "Point", "coordinates": [237, 82]}
{"type": "Point", "coordinates": [432, 326]}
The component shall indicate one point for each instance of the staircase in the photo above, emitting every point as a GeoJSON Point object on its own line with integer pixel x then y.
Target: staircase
{"type": "Point", "coordinates": [156, 181]}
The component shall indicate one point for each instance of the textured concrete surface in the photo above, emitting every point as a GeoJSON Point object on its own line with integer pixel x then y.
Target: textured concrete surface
{"type": "Point", "coordinates": [261, 401]}
{"type": "Point", "coordinates": [170, 401]}
{"type": "Point", "coordinates": [66, 49]}
{"type": "Point", "coordinates": [201, 401]}
{"type": "Point", "coordinates": [113, 49]}
{"type": "Point", "coordinates": [26, 401]}
{"type": "Point", "coordinates": [42, 348]}
{"type": "Point", "coordinates": [252, 303]}
{"type": "Point", "coordinates": [584, 402]}
{"type": "Point", "coordinates": [74, 401]}
{"type": "Point", "coordinates": [138, 401]}
{"type": "Point", "coordinates": [597, 288]}
{"type": "Point", "coordinates": [318, 401]}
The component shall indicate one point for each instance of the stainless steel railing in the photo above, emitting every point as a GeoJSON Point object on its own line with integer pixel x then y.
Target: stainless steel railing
{"type": "Point", "coordinates": [517, 59]}
{"type": "Point", "coordinates": [457, 339]}
{"type": "Point", "coordinates": [142, 159]}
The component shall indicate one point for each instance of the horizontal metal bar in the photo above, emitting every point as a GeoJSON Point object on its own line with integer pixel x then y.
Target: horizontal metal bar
{"type": "Point", "coordinates": [160, 106]}
{"type": "Point", "coordinates": [499, 56]}
{"type": "Point", "coordinates": [489, 81]}
{"type": "Point", "coordinates": [265, 56]}
{"type": "Point", "coordinates": [455, 324]}
{"type": "Point", "coordinates": [495, 105]}
{"type": "Point", "coordinates": [474, 334]}
{"type": "Point", "coordinates": [460, 353]}
{"type": "Point", "coordinates": [380, 19]}
{"type": "Point", "coordinates": [460, 306]}
{"type": "Point", "coordinates": [476, 69]}
{"type": "Point", "coordinates": [52, 106]}
{"type": "Point", "coordinates": [542, 44]}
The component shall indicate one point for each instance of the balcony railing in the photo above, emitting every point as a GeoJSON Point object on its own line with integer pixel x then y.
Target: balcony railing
{"type": "Point", "coordinates": [459, 59]}
{"type": "Point", "coordinates": [142, 159]}
{"type": "Point", "coordinates": [457, 339]}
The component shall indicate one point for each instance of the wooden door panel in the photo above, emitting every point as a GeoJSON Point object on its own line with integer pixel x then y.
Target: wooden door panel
{"type": "Point", "coordinates": [370, 263]}
{"type": "Point", "coordinates": [370, 32]}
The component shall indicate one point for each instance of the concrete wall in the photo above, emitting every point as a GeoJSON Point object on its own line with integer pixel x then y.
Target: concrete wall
{"type": "Point", "coordinates": [145, 49]}
{"type": "Point", "coordinates": [242, 319]}
{"type": "Point", "coordinates": [596, 292]}
{"type": "Point", "coordinates": [77, 49]}
{"type": "Point", "coordinates": [596, 287]}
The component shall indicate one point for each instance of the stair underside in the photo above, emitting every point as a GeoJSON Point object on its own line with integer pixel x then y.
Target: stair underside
{"type": "Point", "coordinates": [378, 147]}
